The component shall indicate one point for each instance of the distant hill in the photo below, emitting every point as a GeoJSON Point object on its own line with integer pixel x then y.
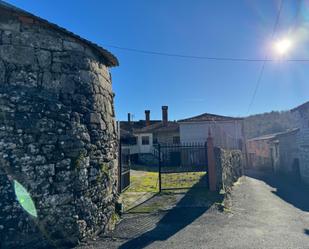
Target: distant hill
{"type": "Point", "coordinates": [267, 123]}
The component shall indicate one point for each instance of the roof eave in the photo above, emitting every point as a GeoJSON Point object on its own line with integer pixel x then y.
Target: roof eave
{"type": "Point", "coordinates": [111, 60]}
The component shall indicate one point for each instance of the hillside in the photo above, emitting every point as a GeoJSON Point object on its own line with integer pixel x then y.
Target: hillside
{"type": "Point", "coordinates": [266, 123]}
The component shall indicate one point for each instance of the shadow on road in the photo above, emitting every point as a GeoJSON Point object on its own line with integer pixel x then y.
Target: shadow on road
{"type": "Point", "coordinates": [173, 221]}
{"type": "Point", "coordinates": [287, 188]}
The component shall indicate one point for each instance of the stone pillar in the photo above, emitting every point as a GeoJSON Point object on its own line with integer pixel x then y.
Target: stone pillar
{"type": "Point", "coordinates": [212, 176]}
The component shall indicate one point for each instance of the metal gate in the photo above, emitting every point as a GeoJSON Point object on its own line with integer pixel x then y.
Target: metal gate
{"type": "Point", "coordinates": [182, 166]}
{"type": "Point", "coordinates": [123, 168]}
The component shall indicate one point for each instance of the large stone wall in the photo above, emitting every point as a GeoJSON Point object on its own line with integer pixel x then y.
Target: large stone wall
{"type": "Point", "coordinates": [230, 166]}
{"type": "Point", "coordinates": [57, 136]}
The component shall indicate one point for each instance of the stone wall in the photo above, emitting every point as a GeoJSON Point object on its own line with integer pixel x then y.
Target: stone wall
{"type": "Point", "coordinates": [288, 152]}
{"type": "Point", "coordinates": [57, 136]}
{"type": "Point", "coordinates": [302, 116]}
{"type": "Point", "coordinates": [229, 165]}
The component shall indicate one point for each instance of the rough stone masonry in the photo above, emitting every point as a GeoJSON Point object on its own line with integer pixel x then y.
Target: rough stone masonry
{"type": "Point", "coordinates": [57, 133]}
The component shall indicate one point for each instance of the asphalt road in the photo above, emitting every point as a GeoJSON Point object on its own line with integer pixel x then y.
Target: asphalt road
{"type": "Point", "coordinates": [266, 212]}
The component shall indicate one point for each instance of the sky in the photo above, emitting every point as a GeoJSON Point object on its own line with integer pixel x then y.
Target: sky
{"type": "Point", "coordinates": [209, 28]}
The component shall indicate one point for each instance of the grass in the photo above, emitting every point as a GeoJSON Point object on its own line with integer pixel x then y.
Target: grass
{"type": "Point", "coordinates": [144, 185]}
{"type": "Point", "coordinates": [143, 181]}
{"type": "Point", "coordinates": [182, 180]}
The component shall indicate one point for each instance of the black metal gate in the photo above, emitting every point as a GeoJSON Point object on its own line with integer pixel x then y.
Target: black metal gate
{"type": "Point", "coordinates": [124, 168]}
{"type": "Point", "coordinates": [182, 166]}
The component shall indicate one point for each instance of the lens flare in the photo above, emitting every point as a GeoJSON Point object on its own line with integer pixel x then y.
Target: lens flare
{"type": "Point", "coordinates": [24, 199]}
{"type": "Point", "coordinates": [283, 46]}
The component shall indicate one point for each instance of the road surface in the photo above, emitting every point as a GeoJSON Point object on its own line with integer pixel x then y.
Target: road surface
{"type": "Point", "coordinates": [266, 212]}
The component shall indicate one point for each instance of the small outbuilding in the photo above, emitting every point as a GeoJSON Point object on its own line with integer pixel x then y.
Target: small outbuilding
{"type": "Point", "coordinates": [58, 138]}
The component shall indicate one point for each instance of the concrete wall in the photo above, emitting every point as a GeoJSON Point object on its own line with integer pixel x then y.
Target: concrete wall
{"type": "Point", "coordinates": [57, 136]}
{"type": "Point", "coordinates": [144, 148]}
{"type": "Point", "coordinates": [226, 134]}
{"type": "Point", "coordinates": [166, 137]}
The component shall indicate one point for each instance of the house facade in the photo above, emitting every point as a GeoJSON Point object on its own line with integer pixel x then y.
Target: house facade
{"type": "Point", "coordinates": [149, 133]}
{"type": "Point", "coordinates": [284, 152]}
{"type": "Point", "coordinates": [260, 152]}
{"type": "Point", "coordinates": [227, 132]}
{"type": "Point", "coordinates": [277, 152]}
{"type": "Point", "coordinates": [302, 113]}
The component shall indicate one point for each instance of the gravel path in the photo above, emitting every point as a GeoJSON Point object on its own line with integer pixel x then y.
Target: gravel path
{"type": "Point", "coordinates": [266, 212]}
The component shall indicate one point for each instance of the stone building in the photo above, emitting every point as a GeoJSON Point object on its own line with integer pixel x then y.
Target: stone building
{"type": "Point", "coordinates": [259, 152]}
{"type": "Point", "coordinates": [284, 152]}
{"type": "Point", "coordinates": [58, 134]}
{"type": "Point", "coordinates": [276, 152]}
{"type": "Point", "coordinates": [302, 113]}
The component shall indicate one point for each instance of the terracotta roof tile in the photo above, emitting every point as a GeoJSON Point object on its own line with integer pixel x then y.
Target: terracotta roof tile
{"type": "Point", "coordinates": [208, 117]}
{"type": "Point", "coordinates": [159, 127]}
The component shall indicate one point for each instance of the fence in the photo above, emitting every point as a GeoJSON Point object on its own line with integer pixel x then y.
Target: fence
{"type": "Point", "coordinates": [123, 168]}
{"type": "Point", "coordinates": [182, 166]}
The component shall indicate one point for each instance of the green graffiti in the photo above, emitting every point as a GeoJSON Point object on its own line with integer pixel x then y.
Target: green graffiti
{"type": "Point", "coordinates": [25, 199]}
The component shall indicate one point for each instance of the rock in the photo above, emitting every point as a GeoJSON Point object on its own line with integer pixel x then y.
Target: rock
{"type": "Point", "coordinates": [44, 58]}
{"type": "Point", "coordinates": [17, 55]}
{"type": "Point", "coordinates": [68, 45]}
{"type": "Point", "coordinates": [2, 72]}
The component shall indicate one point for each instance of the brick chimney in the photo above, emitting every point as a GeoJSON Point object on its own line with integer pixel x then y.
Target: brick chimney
{"type": "Point", "coordinates": [147, 117]}
{"type": "Point", "coordinates": [165, 114]}
{"type": "Point", "coordinates": [129, 118]}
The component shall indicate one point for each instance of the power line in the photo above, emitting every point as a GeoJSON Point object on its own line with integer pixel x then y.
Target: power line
{"type": "Point", "coordinates": [150, 52]}
{"type": "Point", "coordinates": [259, 79]}
{"type": "Point", "coordinates": [214, 58]}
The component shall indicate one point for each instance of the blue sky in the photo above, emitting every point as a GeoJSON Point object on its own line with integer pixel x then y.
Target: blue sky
{"type": "Point", "coordinates": [218, 28]}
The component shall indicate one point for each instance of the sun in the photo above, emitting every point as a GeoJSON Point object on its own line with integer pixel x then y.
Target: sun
{"type": "Point", "coordinates": [283, 46]}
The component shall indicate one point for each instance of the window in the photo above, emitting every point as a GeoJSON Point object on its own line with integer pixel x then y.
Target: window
{"type": "Point", "coordinates": [176, 140]}
{"type": "Point", "coordinates": [133, 141]}
{"type": "Point", "coordinates": [145, 140]}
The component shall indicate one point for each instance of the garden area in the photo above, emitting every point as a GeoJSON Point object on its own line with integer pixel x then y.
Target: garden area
{"type": "Point", "coordinates": [145, 186]}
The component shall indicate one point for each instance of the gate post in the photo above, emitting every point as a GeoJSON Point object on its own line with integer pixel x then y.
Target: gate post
{"type": "Point", "coordinates": [159, 151]}
{"type": "Point", "coordinates": [119, 167]}
{"type": "Point", "coordinates": [212, 174]}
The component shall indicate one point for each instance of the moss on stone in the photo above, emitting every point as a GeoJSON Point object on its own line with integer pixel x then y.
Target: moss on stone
{"type": "Point", "coordinates": [105, 169]}
{"type": "Point", "coordinates": [79, 160]}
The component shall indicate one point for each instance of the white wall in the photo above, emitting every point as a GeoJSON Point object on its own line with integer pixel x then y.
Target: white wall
{"type": "Point", "coordinates": [144, 148]}
{"type": "Point", "coordinates": [226, 134]}
{"type": "Point", "coordinates": [139, 147]}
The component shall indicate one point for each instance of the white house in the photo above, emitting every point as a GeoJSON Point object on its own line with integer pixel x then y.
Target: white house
{"type": "Point", "coordinates": [150, 132]}
{"type": "Point", "coordinates": [227, 132]}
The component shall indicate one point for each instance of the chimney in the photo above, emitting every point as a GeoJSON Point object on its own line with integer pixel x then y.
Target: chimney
{"type": "Point", "coordinates": [129, 118]}
{"type": "Point", "coordinates": [147, 117]}
{"type": "Point", "coordinates": [164, 115]}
